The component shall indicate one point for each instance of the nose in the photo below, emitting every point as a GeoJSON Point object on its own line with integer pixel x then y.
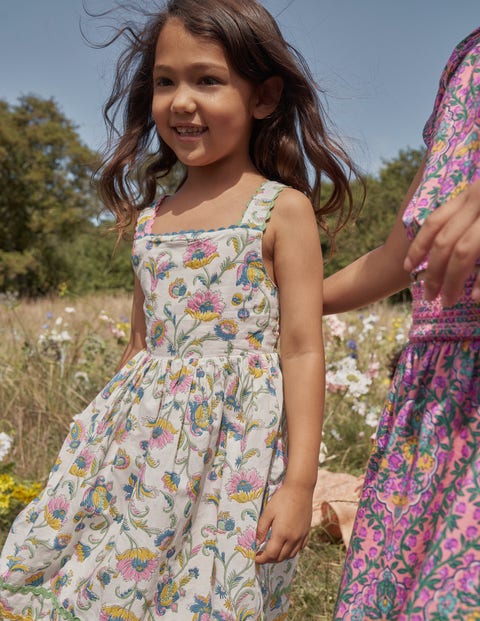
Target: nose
{"type": "Point", "coordinates": [183, 100]}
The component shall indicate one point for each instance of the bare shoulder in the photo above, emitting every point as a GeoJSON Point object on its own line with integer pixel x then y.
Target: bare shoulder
{"type": "Point", "coordinates": [293, 211]}
{"type": "Point", "coordinates": [292, 204]}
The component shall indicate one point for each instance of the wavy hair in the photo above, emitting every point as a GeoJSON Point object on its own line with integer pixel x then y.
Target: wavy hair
{"type": "Point", "coordinates": [284, 147]}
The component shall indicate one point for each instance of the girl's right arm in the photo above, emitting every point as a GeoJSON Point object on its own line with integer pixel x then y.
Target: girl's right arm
{"type": "Point", "coordinates": [137, 340]}
{"type": "Point", "coordinates": [374, 275]}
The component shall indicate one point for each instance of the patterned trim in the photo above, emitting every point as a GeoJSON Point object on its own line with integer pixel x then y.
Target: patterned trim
{"type": "Point", "coordinates": [258, 211]}
{"type": "Point", "coordinates": [65, 614]}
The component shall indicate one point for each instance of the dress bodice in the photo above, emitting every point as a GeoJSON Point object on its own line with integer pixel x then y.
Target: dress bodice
{"type": "Point", "coordinates": [207, 292]}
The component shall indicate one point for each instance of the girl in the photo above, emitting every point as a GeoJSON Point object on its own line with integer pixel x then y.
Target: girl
{"type": "Point", "coordinates": [172, 496]}
{"type": "Point", "coordinates": [415, 549]}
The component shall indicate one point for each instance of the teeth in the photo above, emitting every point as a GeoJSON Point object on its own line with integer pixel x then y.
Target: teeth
{"type": "Point", "coordinates": [189, 130]}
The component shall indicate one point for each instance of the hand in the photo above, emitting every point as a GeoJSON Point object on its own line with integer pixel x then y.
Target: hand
{"type": "Point", "coordinates": [288, 516]}
{"type": "Point", "coordinates": [451, 238]}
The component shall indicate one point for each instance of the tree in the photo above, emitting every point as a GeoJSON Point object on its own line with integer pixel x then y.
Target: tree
{"type": "Point", "coordinates": [46, 198]}
{"type": "Point", "coordinates": [385, 194]}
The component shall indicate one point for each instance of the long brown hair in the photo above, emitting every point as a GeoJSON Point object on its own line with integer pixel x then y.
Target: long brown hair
{"type": "Point", "coordinates": [283, 146]}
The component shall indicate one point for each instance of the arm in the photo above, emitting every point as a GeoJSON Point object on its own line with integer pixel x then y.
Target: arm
{"type": "Point", "coordinates": [451, 238]}
{"type": "Point", "coordinates": [137, 326]}
{"type": "Point", "coordinates": [375, 275]}
{"type": "Point", "coordinates": [298, 268]}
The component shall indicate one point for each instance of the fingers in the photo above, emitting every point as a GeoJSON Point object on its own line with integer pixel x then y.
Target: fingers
{"type": "Point", "coordinates": [426, 237]}
{"type": "Point", "coordinates": [451, 238]}
{"type": "Point", "coordinates": [279, 548]}
{"type": "Point", "coordinates": [276, 543]}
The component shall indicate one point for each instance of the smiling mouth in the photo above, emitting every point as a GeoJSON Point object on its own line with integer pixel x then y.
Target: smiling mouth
{"type": "Point", "coordinates": [190, 131]}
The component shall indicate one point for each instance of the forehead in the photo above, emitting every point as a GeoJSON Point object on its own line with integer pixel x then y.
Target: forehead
{"type": "Point", "coordinates": [175, 42]}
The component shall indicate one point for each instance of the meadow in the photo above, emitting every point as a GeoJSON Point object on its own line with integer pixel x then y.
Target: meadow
{"type": "Point", "coordinates": [57, 353]}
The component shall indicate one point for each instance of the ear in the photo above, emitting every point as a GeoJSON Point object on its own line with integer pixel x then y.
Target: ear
{"type": "Point", "coordinates": [268, 96]}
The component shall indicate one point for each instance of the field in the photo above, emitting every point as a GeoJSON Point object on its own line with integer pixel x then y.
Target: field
{"type": "Point", "coordinates": [56, 354]}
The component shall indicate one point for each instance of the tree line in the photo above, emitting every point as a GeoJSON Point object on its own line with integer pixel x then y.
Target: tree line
{"type": "Point", "coordinates": [52, 236]}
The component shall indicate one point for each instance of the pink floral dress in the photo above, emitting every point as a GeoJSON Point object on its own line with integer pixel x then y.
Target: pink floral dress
{"type": "Point", "coordinates": [151, 509]}
{"type": "Point", "coordinates": [415, 550]}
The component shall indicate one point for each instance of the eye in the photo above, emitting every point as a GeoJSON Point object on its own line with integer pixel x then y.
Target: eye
{"type": "Point", "coordinates": [209, 80]}
{"type": "Point", "coordinates": [162, 81]}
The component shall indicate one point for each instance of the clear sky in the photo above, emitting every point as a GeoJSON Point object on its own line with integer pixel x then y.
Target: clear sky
{"type": "Point", "coordinates": [379, 61]}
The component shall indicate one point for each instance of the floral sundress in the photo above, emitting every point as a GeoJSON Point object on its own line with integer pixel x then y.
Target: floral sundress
{"type": "Point", "coordinates": [152, 506]}
{"type": "Point", "coordinates": [415, 550]}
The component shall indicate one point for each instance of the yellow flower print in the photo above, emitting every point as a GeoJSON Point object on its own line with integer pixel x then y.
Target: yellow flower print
{"type": "Point", "coordinates": [256, 365]}
{"type": "Point", "coordinates": [117, 613]}
{"type": "Point", "coordinates": [399, 499]}
{"type": "Point", "coordinates": [425, 462]}
{"type": "Point", "coordinates": [410, 448]}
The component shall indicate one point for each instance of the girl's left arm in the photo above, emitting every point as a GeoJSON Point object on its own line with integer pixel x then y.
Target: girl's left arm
{"type": "Point", "coordinates": [298, 271]}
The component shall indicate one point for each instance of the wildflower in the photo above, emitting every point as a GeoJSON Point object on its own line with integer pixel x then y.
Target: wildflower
{"type": "Point", "coordinates": [69, 309]}
{"type": "Point", "coordinates": [336, 326]}
{"type": "Point", "coordinates": [5, 445]}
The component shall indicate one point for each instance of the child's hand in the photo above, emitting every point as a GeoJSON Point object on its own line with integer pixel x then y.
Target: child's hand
{"type": "Point", "coordinates": [288, 516]}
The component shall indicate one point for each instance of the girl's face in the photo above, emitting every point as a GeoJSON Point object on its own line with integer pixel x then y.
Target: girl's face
{"type": "Point", "coordinates": [202, 108]}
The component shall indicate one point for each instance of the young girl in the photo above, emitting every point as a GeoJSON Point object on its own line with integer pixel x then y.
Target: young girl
{"type": "Point", "coordinates": [415, 550]}
{"type": "Point", "coordinates": [171, 497]}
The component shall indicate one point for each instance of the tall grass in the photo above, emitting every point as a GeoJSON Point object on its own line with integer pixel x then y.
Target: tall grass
{"type": "Point", "coordinates": [56, 354]}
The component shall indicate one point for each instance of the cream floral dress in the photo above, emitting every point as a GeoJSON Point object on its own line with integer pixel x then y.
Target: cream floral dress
{"type": "Point", "coordinates": [151, 509]}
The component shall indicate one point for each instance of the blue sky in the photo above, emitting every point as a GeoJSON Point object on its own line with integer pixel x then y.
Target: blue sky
{"type": "Point", "coordinates": [379, 62]}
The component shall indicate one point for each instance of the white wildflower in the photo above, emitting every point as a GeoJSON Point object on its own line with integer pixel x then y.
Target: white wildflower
{"type": "Point", "coordinates": [372, 418]}
{"type": "Point", "coordinates": [322, 458]}
{"type": "Point", "coordinates": [5, 444]}
{"type": "Point", "coordinates": [336, 326]}
{"type": "Point", "coordinates": [69, 309]}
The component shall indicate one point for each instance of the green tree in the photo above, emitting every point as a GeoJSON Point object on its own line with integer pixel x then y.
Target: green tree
{"type": "Point", "coordinates": [385, 193]}
{"type": "Point", "coordinates": [46, 198]}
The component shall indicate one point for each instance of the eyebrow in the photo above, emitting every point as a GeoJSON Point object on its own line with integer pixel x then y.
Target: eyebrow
{"type": "Point", "coordinates": [198, 66]}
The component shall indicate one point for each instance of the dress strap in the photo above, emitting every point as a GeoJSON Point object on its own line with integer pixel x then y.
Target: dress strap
{"type": "Point", "coordinates": [258, 210]}
{"type": "Point", "coordinates": [145, 219]}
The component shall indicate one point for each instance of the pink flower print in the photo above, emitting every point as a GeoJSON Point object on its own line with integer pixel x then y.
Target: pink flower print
{"type": "Point", "coordinates": [251, 273]}
{"type": "Point", "coordinates": [200, 253]}
{"type": "Point", "coordinates": [256, 365]}
{"type": "Point", "coordinates": [158, 269]}
{"type": "Point", "coordinates": [246, 543]}
{"type": "Point", "coordinates": [137, 564]}
{"type": "Point", "coordinates": [181, 381]}
{"type": "Point", "coordinates": [56, 511]}
{"type": "Point", "coordinates": [245, 486]}
{"type": "Point", "coordinates": [158, 331]}
{"type": "Point", "coordinates": [162, 433]}
{"type": "Point", "coordinates": [82, 464]}
{"type": "Point", "coordinates": [205, 306]}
